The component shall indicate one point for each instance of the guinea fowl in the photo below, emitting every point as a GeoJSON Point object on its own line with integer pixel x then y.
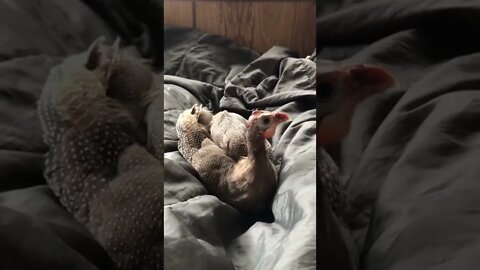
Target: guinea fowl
{"type": "Point", "coordinates": [338, 94]}
{"type": "Point", "coordinates": [229, 132]}
{"type": "Point", "coordinates": [97, 163]}
{"type": "Point", "coordinates": [247, 183]}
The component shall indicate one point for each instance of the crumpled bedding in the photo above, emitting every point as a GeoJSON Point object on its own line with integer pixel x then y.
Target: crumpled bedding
{"type": "Point", "coordinates": [411, 157]}
{"type": "Point", "coordinates": [212, 233]}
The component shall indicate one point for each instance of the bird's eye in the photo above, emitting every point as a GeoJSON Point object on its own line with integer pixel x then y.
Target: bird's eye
{"type": "Point", "coordinates": [324, 90]}
{"type": "Point", "coordinates": [359, 73]}
{"type": "Point", "coordinates": [266, 121]}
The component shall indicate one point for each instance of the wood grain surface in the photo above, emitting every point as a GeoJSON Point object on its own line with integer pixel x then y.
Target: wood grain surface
{"type": "Point", "coordinates": [258, 24]}
{"type": "Point", "coordinates": [179, 13]}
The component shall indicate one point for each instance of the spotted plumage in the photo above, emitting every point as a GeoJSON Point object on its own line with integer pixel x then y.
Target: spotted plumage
{"type": "Point", "coordinates": [192, 130]}
{"type": "Point", "coordinates": [330, 177]}
{"type": "Point", "coordinates": [229, 132]}
{"type": "Point", "coordinates": [98, 163]}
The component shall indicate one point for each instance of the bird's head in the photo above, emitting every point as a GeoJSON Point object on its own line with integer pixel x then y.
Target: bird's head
{"type": "Point", "coordinates": [357, 82]}
{"type": "Point", "coordinates": [340, 91]}
{"type": "Point", "coordinates": [202, 114]}
{"type": "Point", "coordinates": [195, 119]}
{"type": "Point", "coordinates": [265, 123]}
{"type": "Point", "coordinates": [99, 58]}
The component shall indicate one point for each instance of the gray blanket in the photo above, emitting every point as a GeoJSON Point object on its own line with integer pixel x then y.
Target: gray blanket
{"type": "Point", "coordinates": [36, 232]}
{"type": "Point", "coordinates": [202, 232]}
{"type": "Point", "coordinates": [412, 153]}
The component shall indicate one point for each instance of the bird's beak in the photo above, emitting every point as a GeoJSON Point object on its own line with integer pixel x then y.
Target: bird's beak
{"type": "Point", "coordinates": [278, 118]}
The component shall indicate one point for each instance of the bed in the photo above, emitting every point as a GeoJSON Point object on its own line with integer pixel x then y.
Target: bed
{"type": "Point", "coordinates": [411, 159]}
{"type": "Point", "coordinates": [202, 232]}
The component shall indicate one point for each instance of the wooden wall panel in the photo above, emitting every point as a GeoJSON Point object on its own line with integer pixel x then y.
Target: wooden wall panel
{"type": "Point", "coordinates": [289, 24]}
{"type": "Point", "coordinates": [178, 13]}
{"type": "Point", "coordinates": [230, 19]}
{"type": "Point", "coordinates": [258, 24]}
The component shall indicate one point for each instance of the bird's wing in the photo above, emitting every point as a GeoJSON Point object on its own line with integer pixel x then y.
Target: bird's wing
{"type": "Point", "coordinates": [229, 131]}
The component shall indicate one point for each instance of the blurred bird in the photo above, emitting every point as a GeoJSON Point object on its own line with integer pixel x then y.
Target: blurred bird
{"type": "Point", "coordinates": [340, 91]}
{"type": "Point", "coordinates": [92, 110]}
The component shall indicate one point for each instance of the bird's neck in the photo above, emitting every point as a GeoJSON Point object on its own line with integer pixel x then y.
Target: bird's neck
{"type": "Point", "coordinates": [256, 145]}
{"type": "Point", "coordinates": [334, 127]}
